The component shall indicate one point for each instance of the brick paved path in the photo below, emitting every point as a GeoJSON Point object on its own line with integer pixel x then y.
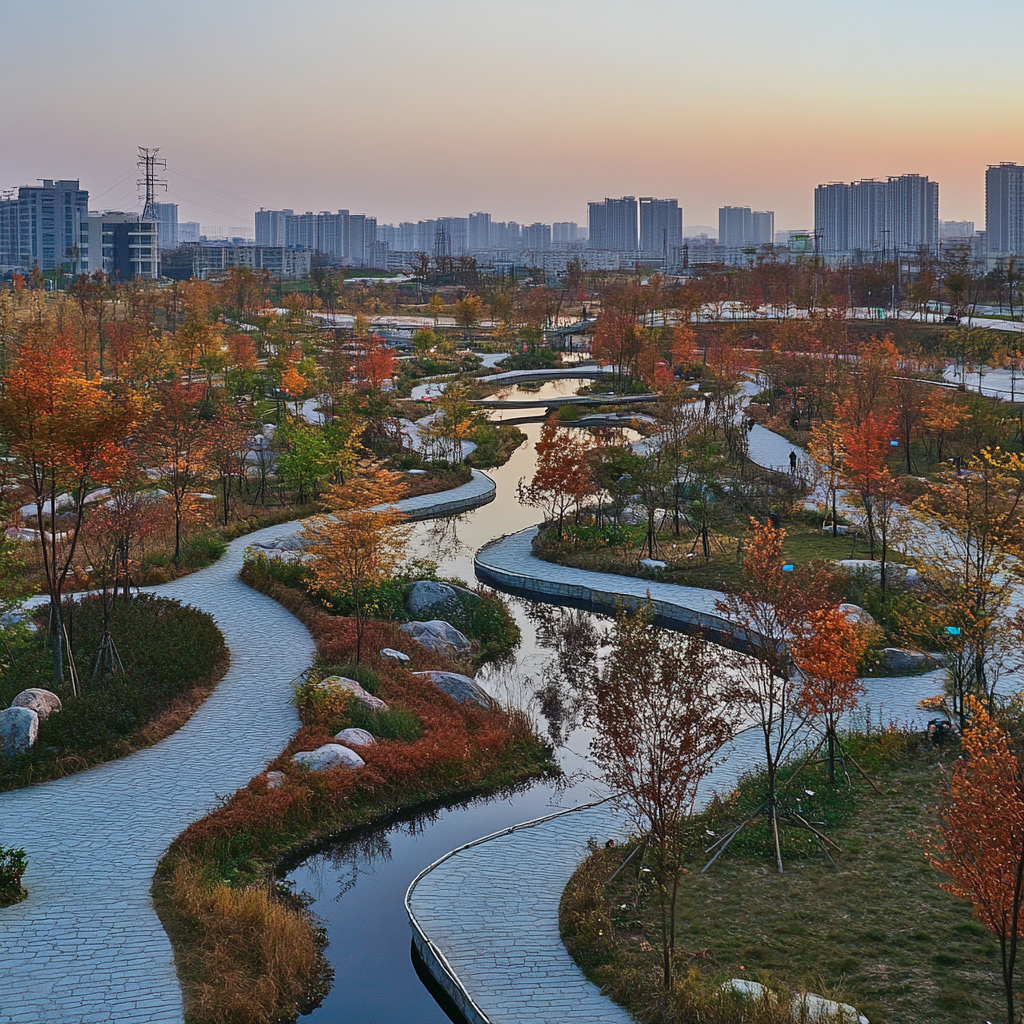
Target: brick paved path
{"type": "Point", "coordinates": [87, 946]}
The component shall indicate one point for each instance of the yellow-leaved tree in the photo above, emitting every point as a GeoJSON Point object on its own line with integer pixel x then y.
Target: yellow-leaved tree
{"type": "Point", "coordinates": [362, 540]}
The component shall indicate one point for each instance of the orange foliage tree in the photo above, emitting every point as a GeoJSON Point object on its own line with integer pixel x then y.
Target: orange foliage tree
{"type": "Point", "coordinates": [563, 477]}
{"type": "Point", "coordinates": [770, 613]}
{"type": "Point", "coordinates": [982, 827]}
{"type": "Point", "coordinates": [65, 431]}
{"type": "Point", "coordinates": [361, 543]}
{"type": "Point", "coordinates": [827, 656]}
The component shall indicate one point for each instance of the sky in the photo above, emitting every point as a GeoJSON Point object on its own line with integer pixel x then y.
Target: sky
{"type": "Point", "coordinates": [409, 109]}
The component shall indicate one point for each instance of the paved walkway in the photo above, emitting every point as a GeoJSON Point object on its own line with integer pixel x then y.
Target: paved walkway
{"type": "Point", "coordinates": [87, 946]}
{"type": "Point", "coordinates": [485, 920]}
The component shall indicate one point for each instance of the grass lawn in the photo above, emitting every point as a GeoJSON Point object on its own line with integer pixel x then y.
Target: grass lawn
{"type": "Point", "coordinates": [877, 931]}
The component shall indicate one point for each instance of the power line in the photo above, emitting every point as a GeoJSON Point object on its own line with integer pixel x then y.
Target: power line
{"type": "Point", "coordinates": [216, 188]}
{"type": "Point", "coordinates": [205, 206]}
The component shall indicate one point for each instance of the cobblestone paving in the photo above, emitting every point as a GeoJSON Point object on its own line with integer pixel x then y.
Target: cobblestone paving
{"type": "Point", "coordinates": [87, 946]}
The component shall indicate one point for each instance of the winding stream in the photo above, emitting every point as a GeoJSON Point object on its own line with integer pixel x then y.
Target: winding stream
{"type": "Point", "coordinates": [358, 885]}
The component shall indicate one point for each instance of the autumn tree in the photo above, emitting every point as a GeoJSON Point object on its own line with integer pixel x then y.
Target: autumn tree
{"type": "Point", "coordinates": [361, 542]}
{"type": "Point", "coordinates": [453, 422]}
{"type": "Point", "coordinates": [826, 448]}
{"type": "Point", "coordinates": [982, 830]}
{"type": "Point", "coordinates": [562, 477]}
{"type": "Point", "coordinates": [468, 312]}
{"type": "Point", "coordinates": [769, 612]}
{"type": "Point", "coordinates": [660, 728]}
{"type": "Point", "coordinates": [65, 431]}
{"type": "Point", "coordinates": [827, 654]}
{"type": "Point", "coordinates": [179, 439]}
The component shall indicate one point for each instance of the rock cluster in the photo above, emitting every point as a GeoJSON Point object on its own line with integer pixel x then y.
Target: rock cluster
{"type": "Point", "coordinates": [460, 688]}
{"type": "Point", "coordinates": [437, 635]}
{"type": "Point", "coordinates": [341, 683]}
{"type": "Point", "coordinates": [19, 724]}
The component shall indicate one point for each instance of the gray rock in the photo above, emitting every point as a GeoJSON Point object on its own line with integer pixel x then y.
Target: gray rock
{"type": "Point", "coordinates": [275, 780]}
{"type": "Point", "coordinates": [390, 652]}
{"type": "Point", "coordinates": [437, 635]}
{"type": "Point", "coordinates": [19, 728]}
{"type": "Point", "coordinates": [460, 688]}
{"type": "Point", "coordinates": [42, 702]}
{"type": "Point", "coordinates": [896, 659]}
{"type": "Point", "coordinates": [857, 615]}
{"type": "Point", "coordinates": [749, 989]}
{"type": "Point", "coordinates": [355, 738]}
{"type": "Point", "coordinates": [653, 563]}
{"type": "Point", "coordinates": [428, 596]}
{"type": "Point", "coordinates": [330, 755]}
{"type": "Point", "coordinates": [807, 1006]}
{"type": "Point", "coordinates": [351, 686]}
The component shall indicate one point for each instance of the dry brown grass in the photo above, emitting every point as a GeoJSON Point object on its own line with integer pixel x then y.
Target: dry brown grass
{"type": "Point", "coordinates": [246, 955]}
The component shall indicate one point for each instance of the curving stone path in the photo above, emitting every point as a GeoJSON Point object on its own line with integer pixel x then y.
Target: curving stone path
{"type": "Point", "coordinates": [87, 946]}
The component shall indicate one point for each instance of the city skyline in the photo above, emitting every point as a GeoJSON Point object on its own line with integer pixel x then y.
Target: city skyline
{"type": "Point", "coordinates": [526, 110]}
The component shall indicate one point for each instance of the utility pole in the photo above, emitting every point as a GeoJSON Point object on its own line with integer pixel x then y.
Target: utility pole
{"type": "Point", "coordinates": [149, 164]}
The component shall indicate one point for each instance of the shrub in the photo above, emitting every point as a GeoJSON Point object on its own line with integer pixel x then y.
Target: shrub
{"type": "Point", "coordinates": [568, 414]}
{"type": "Point", "coordinates": [393, 724]}
{"type": "Point", "coordinates": [13, 864]}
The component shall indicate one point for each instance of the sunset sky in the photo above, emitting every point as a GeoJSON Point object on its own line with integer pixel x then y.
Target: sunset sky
{"type": "Point", "coordinates": [418, 108]}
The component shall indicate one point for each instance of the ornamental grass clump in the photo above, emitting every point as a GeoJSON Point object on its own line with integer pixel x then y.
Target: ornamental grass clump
{"type": "Point", "coordinates": [13, 864]}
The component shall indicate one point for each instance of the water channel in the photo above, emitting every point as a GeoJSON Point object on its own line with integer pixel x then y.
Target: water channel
{"type": "Point", "coordinates": [358, 885]}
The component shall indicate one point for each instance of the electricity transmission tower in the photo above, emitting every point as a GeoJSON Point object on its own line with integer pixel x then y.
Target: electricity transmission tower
{"type": "Point", "coordinates": [148, 164]}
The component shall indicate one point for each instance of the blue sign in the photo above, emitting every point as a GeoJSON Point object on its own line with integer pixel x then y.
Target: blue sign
{"type": "Point", "coordinates": [953, 630]}
{"type": "Point", "coordinates": [894, 444]}
{"type": "Point", "coordinates": [788, 568]}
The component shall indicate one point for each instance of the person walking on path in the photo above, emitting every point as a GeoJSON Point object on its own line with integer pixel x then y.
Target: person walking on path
{"type": "Point", "coordinates": [792, 462]}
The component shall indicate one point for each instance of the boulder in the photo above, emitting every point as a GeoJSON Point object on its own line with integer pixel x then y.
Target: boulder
{"type": "Point", "coordinates": [330, 755]}
{"type": "Point", "coordinates": [19, 728]}
{"type": "Point", "coordinates": [355, 738]}
{"type": "Point", "coordinates": [806, 1006]}
{"type": "Point", "coordinates": [749, 989]}
{"type": "Point", "coordinates": [437, 635]}
{"type": "Point", "coordinates": [898, 660]}
{"type": "Point", "coordinates": [393, 655]}
{"type": "Point", "coordinates": [42, 702]}
{"type": "Point", "coordinates": [460, 688]}
{"type": "Point", "coordinates": [653, 563]}
{"type": "Point", "coordinates": [275, 780]}
{"type": "Point", "coordinates": [857, 615]}
{"type": "Point", "coordinates": [428, 596]}
{"type": "Point", "coordinates": [351, 686]}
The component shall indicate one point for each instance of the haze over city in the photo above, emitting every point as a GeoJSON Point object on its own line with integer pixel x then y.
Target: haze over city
{"type": "Point", "coordinates": [528, 110]}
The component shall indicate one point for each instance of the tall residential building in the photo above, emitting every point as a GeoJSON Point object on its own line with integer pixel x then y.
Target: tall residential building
{"type": "Point", "coordinates": [956, 228]}
{"type": "Point", "coordinates": [566, 232]}
{"type": "Point", "coordinates": [188, 231]}
{"type": "Point", "coordinates": [613, 224]}
{"type": "Point", "coordinates": [869, 205]}
{"type": "Point", "coordinates": [537, 236]}
{"type": "Point", "coordinates": [46, 225]}
{"type": "Point", "coordinates": [913, 215]}
{"type": "Point", "coordinates": [166, 215]}
{"type": "Point", "coordinates": [832, 217]}
{"type": "Point", "coordinates": [734, 225]}
{"type": "Point", "coordinates": [661, 225]}
{"type": "Point", "coordinates": [123, 246]}
{"type": "Point", "coordinates": [479, 236]}
{"type": "Point", "coordinates": [1004, 209]}
{"type": "Point", "coordinates": [270, 226]}
{"type": "Point", "coordinates": [762, 227]}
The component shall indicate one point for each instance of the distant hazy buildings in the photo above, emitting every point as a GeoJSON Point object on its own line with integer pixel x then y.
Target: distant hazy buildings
{"type": "Point", "coordinates": [45, 226]}
{"type": "Point", "coordinates": [955, 229]}
{"type": "Point", "coordinates": [565, 233]}
{"type": "Point", "coordinates": [342, 236]}
{"type": "Point", "coordinates": [741, 226]}
{"type": "Point", "coordinates": [874, 216]}
{"type": "Point", "coordinates": [1004, 209]}
{"type": "Point", "coordinates": [206, 259]}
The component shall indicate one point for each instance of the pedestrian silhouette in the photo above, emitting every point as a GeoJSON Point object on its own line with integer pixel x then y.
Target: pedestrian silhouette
{"type": "Point", "coordinates": [792, 462]}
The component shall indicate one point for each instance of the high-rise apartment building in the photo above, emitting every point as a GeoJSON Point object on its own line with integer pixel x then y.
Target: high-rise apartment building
{"type": "Point", "coordinates": [341, 236]}
{"type": "Point", "coordinates": [832, 217]}
{"type": "Point", "coordinates": [166, 215]}
{"type": "Point", "coordinates": [271, 226]}
{"type": "Point", "coordinates": [956, 228]}
{"type": "Point", "coordinates": [869, 210]}
{"type": "Point", "coordinates": [479, 231]}
{"type": "Point", "coordinates": [613, 224]}
{"type": "Point", "coordinates": [566, 232]}
{"type": "Point", "coordinates": [661, 225]}
{"type": "Point", "coordinates": [762, 227]}
{"type": "Point", "coordinates": [46, 226]}
{"type": "Point", "coordinates": [913, 214]}
{"type": "Point", "coordinates": [188, 231]}
{"type": "Point", "coordinates": [1004, 209]}
{"type": "Point", "coordinates": [537, 236]}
